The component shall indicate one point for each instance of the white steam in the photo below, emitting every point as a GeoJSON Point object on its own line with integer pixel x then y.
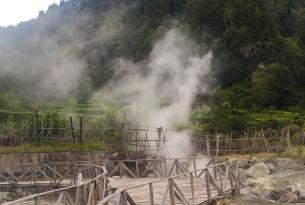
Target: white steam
{"type": "Point", "coordinates": [160, 92]}
{"type": "Point", "coordinates": [48, 56]}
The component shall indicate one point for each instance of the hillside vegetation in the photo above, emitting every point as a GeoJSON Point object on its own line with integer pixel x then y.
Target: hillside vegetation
{"type": "Point", "coordinates": [257, 72]}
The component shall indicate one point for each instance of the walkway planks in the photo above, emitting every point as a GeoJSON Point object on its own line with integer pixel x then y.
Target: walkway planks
{"type": "Point", "coordinates": [140, 195]}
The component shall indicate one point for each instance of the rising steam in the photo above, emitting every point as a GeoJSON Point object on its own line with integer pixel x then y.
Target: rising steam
{"type": "Point", "coordinates": [161, 91]}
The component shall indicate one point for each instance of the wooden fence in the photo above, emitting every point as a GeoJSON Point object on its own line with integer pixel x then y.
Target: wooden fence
{"type": "Point", "coordinates": [220, 144]}
{"type": "Point", "coordinates": [79, 131]}
{"type": "Point", "coordinates": [142, 140]}
{"type": "Point", "coordinates": [212, 182]}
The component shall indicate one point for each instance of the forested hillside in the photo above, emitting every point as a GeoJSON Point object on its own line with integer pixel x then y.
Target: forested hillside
{"type": "Point", "coordinates": [258, 47]}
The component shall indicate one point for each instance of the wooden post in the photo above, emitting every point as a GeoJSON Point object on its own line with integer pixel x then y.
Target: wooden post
{"type": "Point", "coordinates": [136, 142]}
{"type": "Point", "coordinates": [176, 165]}
{"type": "Point", "coordinates": [155, 168]}
{"type": "Point", "coordinates": [124, 137]}
{"type": "Point", "coordinates": [120, 169]}
{"type": "Point", "coordinates": [195, 167]}
{"type": "Point", "coordinates": [263, 135]}
{"type": "Point", "coordinates": [137, 168]}
{"type": "Point", "coordinates": [192, 187]}
{"type": "Point", "coordinates": [81, 130]}
{"type": "Point", "coordinates": [37, 129]}
{"type": "Point", "coordinates": [72, 129]}
{"type": "Point", "coordinates": [171, 191]}
{"type": "Point", "coordinates": [208, 146]}
{"type": "Point", "coordinates": [207, 181]}
{"type": "Point", "coordinates": [159, 138]}
{"type": "Point", "coordinates": [77, 200]}
{"type": "Point", "coordinates": [165, 168]}
{"type": "Point", "coordinates": [288, 141]}
{"type": "Point", "coordinates": [36, 201]}
{"type": "Point", "coordinates": [42, 133]}
{"type": "Point", "coordinates": [217, 145]}
{"type": "Point", "coordinates": [151, 194]}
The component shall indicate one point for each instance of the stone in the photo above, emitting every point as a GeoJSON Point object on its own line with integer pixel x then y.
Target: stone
{"type": "Point", "coordinates": [257, 171]}
{"type": "Point", "coordinates": [290, 197]}
{"type": "Point", "coordinates": [271, 167]}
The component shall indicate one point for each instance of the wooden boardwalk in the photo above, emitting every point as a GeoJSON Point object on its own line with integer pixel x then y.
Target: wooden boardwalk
{"type": "Point", "coordinates": [171, 184]}
{"type": "Point", "coordinates": [194, 187]}
{"type": "Point", "coordinates": [141, 194]}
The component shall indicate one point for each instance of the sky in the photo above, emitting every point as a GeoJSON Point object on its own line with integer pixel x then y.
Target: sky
{"type": "Point", "coordinates": [13, 12]}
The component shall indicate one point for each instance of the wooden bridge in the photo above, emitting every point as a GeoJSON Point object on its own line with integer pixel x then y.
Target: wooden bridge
{"type": "Point", "coordinates": [166, 181]}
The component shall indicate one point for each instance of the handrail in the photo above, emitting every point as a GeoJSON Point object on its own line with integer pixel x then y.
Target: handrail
{"type": "Point", "coordinates": [35, 196]}
{"type": "Point", "coordinates": [98, 184]}
{"type": "Point", "coordinates": [119, 191]}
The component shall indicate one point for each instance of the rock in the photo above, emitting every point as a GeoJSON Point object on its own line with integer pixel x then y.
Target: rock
{"type": "Point", "coordinates": [284, 162]}
{"type": "Point", "coordinates": [290, 197]}
{"type": "Point", "coordinates": [271, 167]}
{"type": "Point", "coordinates": [3, 197]}
{"type": "Point", "coordinates": [243, 163]}
{"type": "Point", "coordinates": [257, 171]}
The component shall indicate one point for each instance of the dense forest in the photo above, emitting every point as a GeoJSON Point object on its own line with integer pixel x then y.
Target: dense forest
{"type": "Point", "coordinates": [257, 71]}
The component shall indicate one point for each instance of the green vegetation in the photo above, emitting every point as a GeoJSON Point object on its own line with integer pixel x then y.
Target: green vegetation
{"type": "Point", "coordinates": [297, 152]}
{"type": "Point", "coordinates": [47, 148]}
{"type": "Point", "coordinates": [258, 63]}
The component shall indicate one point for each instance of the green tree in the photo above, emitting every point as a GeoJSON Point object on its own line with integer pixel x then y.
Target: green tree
{"type": "Point", "coordinates": [273, 86]}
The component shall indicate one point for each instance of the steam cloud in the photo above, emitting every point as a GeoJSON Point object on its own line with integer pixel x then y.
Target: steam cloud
{"type": "Point", "coordinates": [161, 91]}
{"type": "Point", "coordinates": [46, 55]}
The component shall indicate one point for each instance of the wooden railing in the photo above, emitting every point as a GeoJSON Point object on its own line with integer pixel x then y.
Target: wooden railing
{"type": "Point", "coordinates": [87, 188]}
{"type": "Point", "coordinates": [198, 186]}
{"type": "Point", "coordinates": [192, 184]}
{"type": "Point", "coordinates": [155, 167]}
{"type": "Point", "coordinates": [54, 173]}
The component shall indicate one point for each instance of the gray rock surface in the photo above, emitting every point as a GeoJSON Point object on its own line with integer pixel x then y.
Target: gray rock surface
{"type": "Point", "coordinates": [257, 171]}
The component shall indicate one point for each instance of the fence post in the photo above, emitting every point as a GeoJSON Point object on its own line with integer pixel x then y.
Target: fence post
{"type": "Point", "coordinates": [288, 141]}
{"type": "Point", "coordinates": [217, 145]}
{"type": "Point", "coordinates": [207, 143]}
{"type": "Point", "coordinates": [37, 129]}
{"type": "Point", "coordinates": [42, 131]}
{"type": "Point", "coordinates": [207, 181]}
{"type": "Point", "coordinates": [159, 130]}
{"type": "Point", "coordinates": [171, 192]}
{"type": "Point", "coordinates": [124, 137]}
{"type": "Point", "coordinates": [81, 129]}
{"type": "Point", "coordinates": [72, 130]}
{"type": "Point", "coordinates": [266, 144]}
{"type": "Point", "coordinates": [151, 193]}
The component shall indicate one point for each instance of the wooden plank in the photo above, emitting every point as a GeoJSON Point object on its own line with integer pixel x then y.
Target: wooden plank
{"type": "Point", "coordinates": [130, 200]}
{"type": "Point", "coordinates": [128, 170]}
{"type": "Point", "coordinates": [181, 193]}
{"type": "Point", "coordinates": [60, 199]}
{"type": "Point", "coordinates": [68, 198]}
{"type": "Point", "coordinates": [211, 180]}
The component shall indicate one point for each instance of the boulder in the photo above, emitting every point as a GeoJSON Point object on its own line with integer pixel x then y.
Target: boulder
{"type": "Point", "coordinates": [257, 171]}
